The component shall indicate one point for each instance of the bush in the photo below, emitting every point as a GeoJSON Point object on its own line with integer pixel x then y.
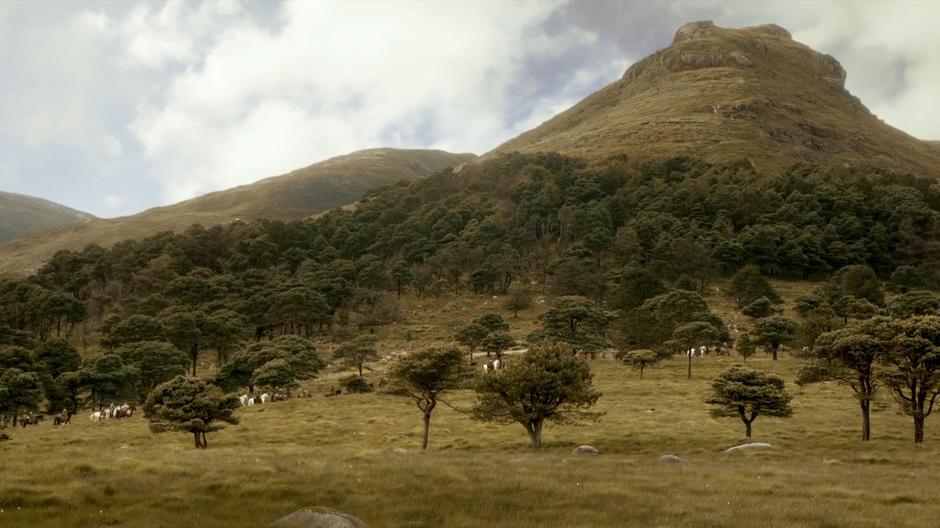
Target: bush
{"type": "Point", "coordinates": [355, 384]}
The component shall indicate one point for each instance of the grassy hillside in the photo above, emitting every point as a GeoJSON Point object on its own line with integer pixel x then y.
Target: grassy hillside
{"type": "Point", "coordinates": [298, 194]}
{"type": "Point", "coordinates": [20, 215]}
{"type": "Point", "coordinates": [358, 453]}
{"type": "Point", "coordinates": [726, 95]}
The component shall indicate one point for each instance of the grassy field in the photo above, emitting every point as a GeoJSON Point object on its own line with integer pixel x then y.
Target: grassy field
{"type": "Point", "coordinates": [359, 454]}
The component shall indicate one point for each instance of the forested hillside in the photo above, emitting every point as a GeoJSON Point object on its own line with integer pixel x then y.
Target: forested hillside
{"type": "Point", "coordinates": [563, 227]}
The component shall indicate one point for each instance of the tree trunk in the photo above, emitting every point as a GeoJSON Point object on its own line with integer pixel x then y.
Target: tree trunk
{"type": "Point", "coordinates": [427, 430]}
{"type": "Point", "coordinates": [866, 419]}
{"type": "Point", "coordinates": [535, 435]}
{"type": "Point", "coordinates": [197, 440]}
{"type": "Point", "coordinates": [747, 429]}
{"type": "Point", "coordinates": [774, 350]}
{"type": "Point", "coordinates": [690, 364]}
{"type": "Point", "coordinates": [641, 372]}
{"type": "Point", "coordinates": [360, 369]}
{"type": "Point", "coordinates": [919, 428]}
{"type": "Point", "coordinates": [194, 354]}
{"type": "Point", "coordinates": [205, 443]}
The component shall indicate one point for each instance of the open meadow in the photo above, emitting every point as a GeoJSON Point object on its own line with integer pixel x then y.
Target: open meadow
{"type": "Point", "coordinates": [360, 454]}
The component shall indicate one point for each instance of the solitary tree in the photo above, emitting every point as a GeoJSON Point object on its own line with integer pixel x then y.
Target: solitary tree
{"type": "Point", "coordinates": [471, 336]}
{"type": "Point", "coordinates": [546, 383]}
{"type": "Point", "coordinates": [498, 343]}
{"type": "Point", "coordinates": [771, 332]}
{"type": "Point", "coordinates": [190, 405]}
{"type": "Point", "coordinates": [914, 375]}
{"type": "Point", "coordinates": [745, 347]}
{"type": "Point", "coordinates": [762, 307]}
{"type": "Point", "coordinates": [356, 352]}
{"type": "Point", "coordinates": [690, 335]}
{"type": "Point", "coordinates": [276, 374]}
{"type": "Point", "coordinates": [492, 322]}
{"type": "Point", "coordinates": [576, 321]}
{"type": "Point", "coordinates": [518, 299]}
{"type": "Point", "coordinates": [748, 393]}
{"type": "Point", "coordinates": [849, 357]}
{"type": "Point", "coordinates": [426, 374]}
{"type": "Point", "coordinates": [640, 359]}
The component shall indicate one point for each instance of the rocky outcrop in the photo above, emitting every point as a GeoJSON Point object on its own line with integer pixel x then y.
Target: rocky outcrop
{"type": "Point", "coordinates": [318, 517]}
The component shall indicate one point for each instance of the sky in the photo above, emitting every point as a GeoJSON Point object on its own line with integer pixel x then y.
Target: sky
{"type": "Point", "coordinates": [114, 107]}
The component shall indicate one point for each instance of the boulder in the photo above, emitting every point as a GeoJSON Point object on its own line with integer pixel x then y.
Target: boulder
{"type": "Point", "coordinates": [586, 450]}
{"type": "Point", "coordinates": [752, 445]}
{"type": "Point", "coordinates": [317, 517]}
{"type": "Point", "coordinates": [672, 459]}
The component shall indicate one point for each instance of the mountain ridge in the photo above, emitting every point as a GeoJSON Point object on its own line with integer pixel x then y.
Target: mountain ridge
{"type": "Point", "coordinates": [295, 195]}
{"type": "Point", "coordinates": [727, 95]}
{"type": "Point", "coordinates": [21, 214]}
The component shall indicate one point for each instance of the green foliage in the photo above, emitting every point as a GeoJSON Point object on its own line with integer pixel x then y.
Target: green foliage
{"type": "Point", "coordinates": [425, 375]}
{"type": "Point", "coordinates": [849, 356]}
{"type": "Point", "coordinates": [498, 343]}
{"type": "Point", "coordinates": [20, 392]}
{"type": "Point", "coordinates": [745, 346]}
{"type": "Point", "coordinates": [640, 359]}
{"type": "Point", "coordinates": [633, 285]}
{"type": "Point", "coordinates": [517, 299]}
{"type": "Point", "coordinates": [471, 336]}
{"type": "Point", "coordinates": [575, 321]}
{"type": "Point", "coordinates": [109, 379]}
{"type": "Point", "coordinates": [134, 329]}
{"type": "Point", "coordinates": [16, 357]}
{"type": "Point", "coordinates": [547, 383]}
{"type": "Point", "coordinates": [56, 356]}
{"type": "Point", "coordinates": [156, 362]}
{"type": "Point", "coordinates": [905, 278]}
{"type": "Point", "coordinates": [760, 308]}
{"type": "Point", "coordinates": [493, 322]}
{"type": "Point", "coordinates": [356, 352]}
{"type": "Point", "coordinates": [748, 393]}
{"type": "Point", "coordinates": [861, 282]}
{"type": "Point", "coordinates": [749, 285]}
{"type": "Point", "coordinates": [299, 353]}
{"type": "Point", "coordinates": [771, 332]}
{"type": "Point", "coordinates": [276, 374]}
{"type": "Point", "coordinates": [914, 367]}
{"type": "Point", "coordinates": [914, 302]}
{"type": "Point", "coordinates": [355, 384]}
{"type": "Point", "coordinates": [190, 405]}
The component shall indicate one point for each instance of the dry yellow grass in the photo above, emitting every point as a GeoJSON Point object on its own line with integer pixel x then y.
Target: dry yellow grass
{"type": "Point", "coordinates": [359, 454]}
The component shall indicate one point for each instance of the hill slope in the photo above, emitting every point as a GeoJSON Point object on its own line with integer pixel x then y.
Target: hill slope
{"type": "Point", "coordinates": [298, 194]}
{"type": "Point", "coordinates": [726, 95]}
{"type": "Point", "coordinates": [21, 214]}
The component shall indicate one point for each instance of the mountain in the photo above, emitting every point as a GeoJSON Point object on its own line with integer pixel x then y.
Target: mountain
{"type": "Point", "coordinates": [20, 215]}
{"type": "Point", "coordinates": [332, 183]}
{"type": "Point", "coordinates": [726, 95]}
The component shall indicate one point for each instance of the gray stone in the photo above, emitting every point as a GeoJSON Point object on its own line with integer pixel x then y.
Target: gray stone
{"type": "Point", "coordinates": [317, 517]}
{"type": "Point", "coordinates": [753, 445]}
{"type": "Point", "coordinates": [672, 459]}
{"type": "Point", "coordinates": [586, 450]}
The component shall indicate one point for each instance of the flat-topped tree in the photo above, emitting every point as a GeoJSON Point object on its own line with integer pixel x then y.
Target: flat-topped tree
{"type": "Point", "coordinates": [498, 343]}
{"type": "Point", "coordinates": [691, 335]}
{"type": "Point", "coordinates": [914, 368]}
{"type": "Point", "coordinates": [747, 394]}
{"type": "Point", "coordinates": [190, 405]}
{"type": "Point", "coordinates": [850, 357]}
{"type": "Point", "coordinates": [471, 336]}
{"type": "Point", "coordinates": [576, 321]}
{"type": "Point", "coordinates": [425, 375]}
{"type": "Point", "coordinates": [356, 352]}
{"type": "Point", "coordinates": [546, 383]}
{"type": "Point", "coordinates": [914, 302]}
{"type": "Point", "coordinates": [772, 332]}
{"type": "Point", "coordinates": [492, 322]}
{"type": "Point", "coordinates": [640, 359]}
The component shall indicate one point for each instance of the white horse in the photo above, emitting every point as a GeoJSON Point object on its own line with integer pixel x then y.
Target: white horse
{"type": "Point", "coordinates": [265, 397]}
{"type": "Point", "coordinates": [244, 399]}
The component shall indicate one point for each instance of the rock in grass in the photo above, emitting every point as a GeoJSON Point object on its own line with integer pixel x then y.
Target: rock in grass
{"type": "Point", "coordinates": [586, 450]}
{"type": "Point", "coordinates": [753, 445]}
{"type": "Point", "coordinates": [672, 459]}
{"type": "Point", "coordinates": [318, 517]}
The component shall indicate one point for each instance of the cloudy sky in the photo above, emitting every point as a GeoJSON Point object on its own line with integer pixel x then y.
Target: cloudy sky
{"type": "Point", "coordinates": [114, 107]}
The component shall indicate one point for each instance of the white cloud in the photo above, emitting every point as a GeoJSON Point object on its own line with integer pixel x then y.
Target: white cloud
{"type": "Point", "coordinates": [339, 77]}
{"type": "Point", "coordinates": [113, 202]}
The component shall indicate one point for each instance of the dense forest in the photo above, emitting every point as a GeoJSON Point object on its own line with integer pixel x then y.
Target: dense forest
{"type": "Point", "coordinates": [615, 234]}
